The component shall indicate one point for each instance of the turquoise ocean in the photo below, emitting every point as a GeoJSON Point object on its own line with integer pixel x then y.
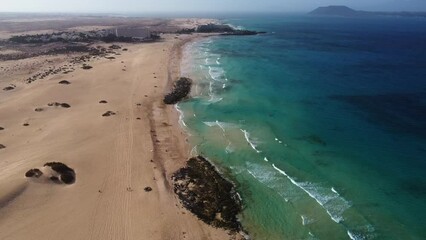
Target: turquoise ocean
{"type": "Point", "coordinates": [320, 123]}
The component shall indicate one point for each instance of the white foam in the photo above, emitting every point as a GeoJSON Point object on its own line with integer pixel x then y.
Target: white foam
{"type": "Point", "coordinates": [355, 236]}
{"type": "Point", "coordinates": [222, 125]}
{"type": "Point", "coordinates": [214, 99]}
{"type": "Point", "coordinates": [181, 116]}
{"type": "Point", "coordinates": [194, 151]}
{"type": "Point", "coordinates": [334, 190]}
{"type": "Point", "coordinates": [252, 144]}
{"type": "Point", "coordinates": [274, 180]}
{"type": "Point", "coordinates": [333, 203]}
{"type": "Point", "coordinates": [229, 148]}
{"type": "Point", "coordinates": [306, 220]}
{"type": "Point", "coordinates": [265, 159]}
{"type": "Point", "coordinates": [216, 73]}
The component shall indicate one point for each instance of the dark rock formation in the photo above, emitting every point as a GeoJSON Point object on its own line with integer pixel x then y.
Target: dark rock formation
{"type": "Point", "coordinates": [348, 12]}
{"type": "Point", "coordinates": [87, 67]}
{"type": "Point", "coordinates": [35, 172]}
{"type": "Point", "coordinates": [186, 31]}
{"type": "Point", "coordinates": [224, 30]}
{"type": "Point", "coordinates": [181, 89]}
{"type": "Point", "coordinates": [67, 174]}
{"type": "Point", "coordinates": [56, 104]}
{"type": "Point", "coordinates": [108, 113]}
{"type": "Point", "coordinates": [64, 82]}
{"type": "Point", "coordinates": [8, 88]}
{"type": "Point", "coordinates": [114, 47]}
{"type": "Point", "coordinates": [204, 192]}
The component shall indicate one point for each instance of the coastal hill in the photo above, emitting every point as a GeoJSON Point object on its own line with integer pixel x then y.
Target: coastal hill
{"type": "Point", "coordinates": [349, 12]}
{"type": "Point", "coordinates": [334, 11]}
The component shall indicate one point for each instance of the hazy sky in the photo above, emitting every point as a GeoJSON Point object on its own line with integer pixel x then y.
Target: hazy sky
{"type": "Point", "coordinates": [201, 5]}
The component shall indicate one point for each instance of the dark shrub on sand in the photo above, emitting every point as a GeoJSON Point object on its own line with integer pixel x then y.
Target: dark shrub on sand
{"type": "Point", "coordinates": [1, 128]}
{"type": "Point", "coordinates": [87, 67]}
{"type": "Point", "coordinates": [2, 146]}
{"type": "Point", "coordinates": [56, 104]}
{"type": "Point", "coordinates": [108, 113]}
{"type": "Point", "coordinates": [67, 174]}
{"type": "Point", "coordinates": [148, 189]}
{"type": "Point", "coordinates": [8, 88]}
{"type": "Point", "coordinates": [55, 179]}
{"type": "Point", "coordinates": [181, 89]}
{"type": "Point", "coordinates": [65, 105]}
{"type": "Point", "coordinates": [35, 172]}
{"type": "Point", "coordinates": [64, 82]}
{"type": "Point", "coordinates": [103, 101]}
{"type": "Point", "coordinates": [68, 177]}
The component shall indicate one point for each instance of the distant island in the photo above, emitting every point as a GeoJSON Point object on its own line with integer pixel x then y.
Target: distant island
{"type": "Point", "coordinates": [349, 12]}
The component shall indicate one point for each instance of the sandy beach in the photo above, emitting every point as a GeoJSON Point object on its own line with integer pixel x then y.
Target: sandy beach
{"type": "Point", "coordinates": [114, 157]}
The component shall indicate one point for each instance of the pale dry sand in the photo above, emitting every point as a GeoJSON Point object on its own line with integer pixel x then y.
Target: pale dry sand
{"type": "Point", "coordinates": [110, 155]}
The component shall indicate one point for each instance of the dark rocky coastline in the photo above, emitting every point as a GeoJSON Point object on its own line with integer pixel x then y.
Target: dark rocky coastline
{"type": "Point", "coordinates": [180, 90]}
{"type": "Point", "coordinates": [204, 192]}
{"type": "Point", "coordinates": [223, 29]}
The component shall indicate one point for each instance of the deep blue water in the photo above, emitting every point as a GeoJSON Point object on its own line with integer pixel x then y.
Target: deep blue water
{"type": "Point", "coordinates": [321, 123]}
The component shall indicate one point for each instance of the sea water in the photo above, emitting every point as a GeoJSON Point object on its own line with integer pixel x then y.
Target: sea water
{"type": "Point", "coordinates": [320, 123]}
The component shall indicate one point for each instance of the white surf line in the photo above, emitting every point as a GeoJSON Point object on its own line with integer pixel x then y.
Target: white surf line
{"type": "Point", "coordinates": [194, 151]}
{"type": "Point", "coordinates": [247, 136]}
{"type": "Point", "coordinates": [220, 125]}
{"type": "Point", "coordinates": [181, 122]}
{"type": "Point", "coordinates": [334, 218]}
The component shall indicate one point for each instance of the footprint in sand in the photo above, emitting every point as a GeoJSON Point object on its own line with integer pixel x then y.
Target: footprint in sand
{"type": "Point", "coordinates": [56, 172]}
{"type": "Point", "coordinates": [108, 113]}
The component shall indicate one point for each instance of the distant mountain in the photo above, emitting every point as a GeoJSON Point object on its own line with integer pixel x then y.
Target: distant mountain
{"type": "Point", "coordinates": [334, 11]}
{"type": "Point", "coordinates": [346, 11]}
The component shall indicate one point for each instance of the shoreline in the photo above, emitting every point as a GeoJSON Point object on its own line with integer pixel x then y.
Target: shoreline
{"type": "Point", "coordinates": [140, 146]}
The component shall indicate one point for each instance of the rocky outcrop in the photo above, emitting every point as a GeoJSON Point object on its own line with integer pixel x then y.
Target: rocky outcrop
{"type": "Point", "coordinates": [224, 29]}
{"type": "Point", "coordinates": [204, 192]}
{"type": "Point", "coordinates": [181, 89]}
